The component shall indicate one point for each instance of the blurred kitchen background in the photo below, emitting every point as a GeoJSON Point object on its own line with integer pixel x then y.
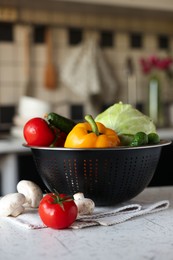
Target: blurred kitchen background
{"type": "Point", "coordinates": [78, 57]}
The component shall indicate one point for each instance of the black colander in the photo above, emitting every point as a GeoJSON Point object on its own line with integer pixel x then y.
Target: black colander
{"type": "Point", "coordinates": [107, 176]}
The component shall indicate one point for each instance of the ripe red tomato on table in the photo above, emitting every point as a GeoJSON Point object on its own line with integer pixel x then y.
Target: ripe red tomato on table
{"type": "Point", "coordinates": [57, 211]}
{"type": "Point", "coordinates": [37, 132]}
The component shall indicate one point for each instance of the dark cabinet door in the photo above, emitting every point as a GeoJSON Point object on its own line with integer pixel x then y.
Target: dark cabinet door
{"type": "Point", "coordinates": [164, 172]}
{"type": "Point", "coordinates": [27, 171]}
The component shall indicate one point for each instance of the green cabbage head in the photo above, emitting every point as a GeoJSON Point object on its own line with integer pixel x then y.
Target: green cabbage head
{"type": "Point", "coordinates": [126, 120]}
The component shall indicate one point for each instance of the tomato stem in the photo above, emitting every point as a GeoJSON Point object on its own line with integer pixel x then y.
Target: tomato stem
{"type": "Point", "coordinates": [57, 199]}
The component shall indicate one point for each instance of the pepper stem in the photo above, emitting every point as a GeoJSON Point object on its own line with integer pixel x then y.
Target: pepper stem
{"type": "Point", "coordinates": [93, 124]}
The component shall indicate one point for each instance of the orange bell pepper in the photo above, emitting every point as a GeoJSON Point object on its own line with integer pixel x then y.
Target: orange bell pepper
{"type": "Point", "coordinates": [91, 134]}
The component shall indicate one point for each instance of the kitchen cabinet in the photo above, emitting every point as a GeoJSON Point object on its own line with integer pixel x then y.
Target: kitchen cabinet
{"type": "Point", "coordinates": [163, 175]}
{"type": "Point", "coordinates": [27, 170]}
{"type": "Point", "coordinates": [10, 148]}
{"type": "Point", "coordinates": [16, 163]}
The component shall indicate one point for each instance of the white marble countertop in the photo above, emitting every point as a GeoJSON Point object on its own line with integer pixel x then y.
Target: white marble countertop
{"type": "Point", "coordinates": [10, 144]}
{"type": "Point", "coordinates": [165, 133]}
{"type": "Point", "coordinates": [146, 237]}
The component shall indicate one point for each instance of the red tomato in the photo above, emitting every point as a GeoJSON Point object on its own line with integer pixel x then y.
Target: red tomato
{"type": "Point", "coordinates": [37, 132]}
{"type": "Point", "coordinates": [57, 211]}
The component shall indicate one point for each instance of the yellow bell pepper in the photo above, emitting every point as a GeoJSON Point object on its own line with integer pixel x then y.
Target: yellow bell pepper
{"type": "Point", "coordinates": [91, 134]}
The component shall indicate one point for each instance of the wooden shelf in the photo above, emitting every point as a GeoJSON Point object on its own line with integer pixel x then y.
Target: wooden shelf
{"type": "Point", "coordinates": [55, 12]}
{"type": "Point", "coordinates": [109, 6]}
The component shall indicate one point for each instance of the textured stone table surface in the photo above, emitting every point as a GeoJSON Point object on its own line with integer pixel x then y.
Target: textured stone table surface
{"type": "Point", "coordinates": [146, 237]}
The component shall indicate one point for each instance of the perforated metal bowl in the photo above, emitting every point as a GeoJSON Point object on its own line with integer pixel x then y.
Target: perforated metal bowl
{"type": "Point", "coordinates": [107, 176]}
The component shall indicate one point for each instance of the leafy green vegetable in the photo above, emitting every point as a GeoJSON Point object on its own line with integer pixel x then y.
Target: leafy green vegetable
{"type": "Point", "coordinates": [126, 120]}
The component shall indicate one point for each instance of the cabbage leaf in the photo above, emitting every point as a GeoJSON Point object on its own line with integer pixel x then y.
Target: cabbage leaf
{"type": "Point", "coordinates": [126, 120]}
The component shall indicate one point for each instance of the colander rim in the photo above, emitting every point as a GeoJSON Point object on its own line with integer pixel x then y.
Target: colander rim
{"type": "Point", "coordinates": [160, 144]}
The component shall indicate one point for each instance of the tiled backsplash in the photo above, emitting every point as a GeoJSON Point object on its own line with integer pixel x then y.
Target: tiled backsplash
{"type": "Point", "coordinates": [116, 45]}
